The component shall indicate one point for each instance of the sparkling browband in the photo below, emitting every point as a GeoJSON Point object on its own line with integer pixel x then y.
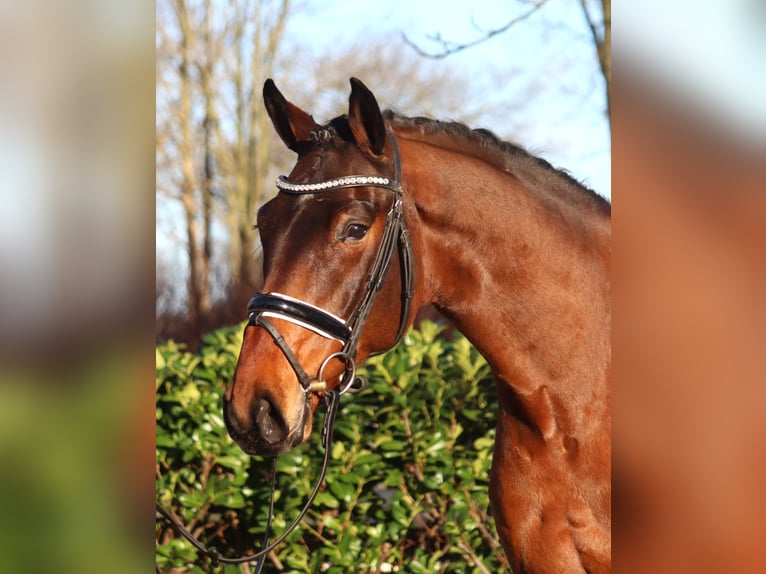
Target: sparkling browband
{"type": "Point", "coordinates": [284, 184]}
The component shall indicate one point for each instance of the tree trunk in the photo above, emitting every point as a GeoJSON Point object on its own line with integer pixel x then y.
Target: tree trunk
{"type": "Point", "coordinates": [197, 280]}
{"type": "Point", "coordinates": [605, 55]}
{"type": "Point", "coordinates": [603, 46]}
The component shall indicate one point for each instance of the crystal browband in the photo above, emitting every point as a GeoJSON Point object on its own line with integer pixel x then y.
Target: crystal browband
{"type": "Point", "coordinates": [284, 184]}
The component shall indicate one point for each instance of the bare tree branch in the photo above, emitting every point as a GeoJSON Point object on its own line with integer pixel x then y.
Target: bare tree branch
{"type": "Point", "coordinates": [449, 48]}
{"type": "Point", "coordinates": [214, 145]}
{"type": "Point", "coordinates": [601, 39]}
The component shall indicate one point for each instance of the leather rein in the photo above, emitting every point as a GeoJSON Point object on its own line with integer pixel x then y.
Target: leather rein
{"type": "Point", "coordinates": [265, 306]}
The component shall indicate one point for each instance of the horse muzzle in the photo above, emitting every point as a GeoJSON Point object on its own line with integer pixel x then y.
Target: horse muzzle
{"type": "Point", "coordinates": [265, 430]}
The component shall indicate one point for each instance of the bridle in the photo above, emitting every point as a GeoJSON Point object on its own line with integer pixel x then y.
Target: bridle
{"type": "Point", "coordinates": [265, 306]}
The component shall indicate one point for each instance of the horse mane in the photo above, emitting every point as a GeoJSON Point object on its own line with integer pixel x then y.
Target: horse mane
{"type": "Point", "coordinates": [483, 144]}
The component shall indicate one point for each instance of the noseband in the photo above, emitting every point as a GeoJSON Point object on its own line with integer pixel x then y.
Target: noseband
{"type": "Point", "coordinates": [265, 306]}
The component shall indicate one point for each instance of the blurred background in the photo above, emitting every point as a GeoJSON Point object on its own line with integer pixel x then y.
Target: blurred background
{"type": "Point", "coordinates": [80, 135]}
{"type": "Point", "coordinates": [76, 286]}
{"type": "Point", "coordinates": [688, 285]}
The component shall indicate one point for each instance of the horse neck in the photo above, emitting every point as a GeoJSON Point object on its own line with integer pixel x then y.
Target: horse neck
{"type": "Point", "coordinates": [520, 264]}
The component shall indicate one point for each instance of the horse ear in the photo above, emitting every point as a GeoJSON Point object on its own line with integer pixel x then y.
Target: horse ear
{"type": "Point", "coordinates": [292, 123]}
{"type": "Point", "coordinates": [365, 119]}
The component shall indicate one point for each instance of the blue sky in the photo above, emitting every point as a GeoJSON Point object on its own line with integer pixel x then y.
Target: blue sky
{"type": "Point", "coordinates": [716, 60]}
{"type": "Point", "coordinates": [565, 122]}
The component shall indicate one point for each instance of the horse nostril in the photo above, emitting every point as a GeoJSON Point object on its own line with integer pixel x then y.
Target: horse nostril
{"type": "Point", "coordinates": [269, 422]}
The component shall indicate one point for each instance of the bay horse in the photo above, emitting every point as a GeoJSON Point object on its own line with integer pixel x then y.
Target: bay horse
{"type": "Point", "coordinates": [515, 253]}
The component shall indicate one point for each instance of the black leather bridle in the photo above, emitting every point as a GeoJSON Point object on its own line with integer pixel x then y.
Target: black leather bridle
{"type": "Point", "coordinates": [264, 306]}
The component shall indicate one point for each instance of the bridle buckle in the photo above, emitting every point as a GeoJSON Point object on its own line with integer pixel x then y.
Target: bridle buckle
{"type": "Point", "coordinates": [346, 379]}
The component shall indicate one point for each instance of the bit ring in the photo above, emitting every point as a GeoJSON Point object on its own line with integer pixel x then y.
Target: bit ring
{"type": "Point", "coordinates": [346, 379]}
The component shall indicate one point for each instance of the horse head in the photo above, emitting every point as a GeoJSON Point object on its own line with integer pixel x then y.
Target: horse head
{"type": "Point", "coordinates": [329, 238]}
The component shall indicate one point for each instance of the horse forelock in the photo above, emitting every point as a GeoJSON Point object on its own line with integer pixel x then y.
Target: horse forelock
{"type": "Point", "coordinates": [322, 135]}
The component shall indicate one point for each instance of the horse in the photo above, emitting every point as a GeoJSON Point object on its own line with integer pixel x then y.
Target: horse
{"type": "Point", "coordinates": [515, 253]}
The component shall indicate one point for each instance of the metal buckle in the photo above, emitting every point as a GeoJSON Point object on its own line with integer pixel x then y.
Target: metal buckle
{"type": "Point", "coordinates": [347, 378]}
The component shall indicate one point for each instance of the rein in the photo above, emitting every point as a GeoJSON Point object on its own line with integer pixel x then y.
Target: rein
{"type": "Point", "coordinates": [264, 306]}
{"type": "Point", "coordinates": [332, 399]}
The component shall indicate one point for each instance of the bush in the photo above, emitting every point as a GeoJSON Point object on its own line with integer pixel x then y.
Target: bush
{"type": "Point", "coordinates": [406, 490]}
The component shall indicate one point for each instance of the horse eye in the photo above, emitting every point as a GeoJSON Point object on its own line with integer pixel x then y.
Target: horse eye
{"type": "Point", "coordinates": [354, 232]}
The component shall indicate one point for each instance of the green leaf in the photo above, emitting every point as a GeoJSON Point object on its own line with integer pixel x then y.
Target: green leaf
{"type": "Point", "coordinates": [326, 499]}
{"type": "Point", "coordinates": [189, 393]}
{"type": "Point", "coordinates": [393, 445]}
{"type": "Point", "coordinates": [484, 443]}
{"type": "Point", "coordinates": [393, 477]}
{"type": "Point", "coordinates": [159, 360]}
{"type": "Point", "coordinates": [342, 490]}
{"type": "Point", "coordinates": [231, 461]}
{"type": "Point", "coordinates": [338, 448]}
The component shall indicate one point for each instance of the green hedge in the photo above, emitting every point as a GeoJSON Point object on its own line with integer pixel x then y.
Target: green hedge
{"type": "Point", "coordinates": [407, 486]}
